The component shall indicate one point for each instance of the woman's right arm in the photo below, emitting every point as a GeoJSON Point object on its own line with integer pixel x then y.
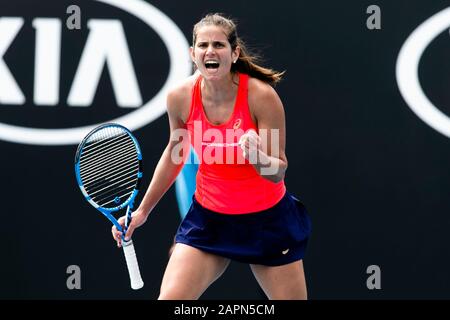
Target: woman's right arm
{"type": "Point", "coordinates": [167, 168]}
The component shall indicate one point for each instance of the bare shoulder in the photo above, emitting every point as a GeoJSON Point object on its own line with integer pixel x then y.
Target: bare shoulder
{"type": "Point", "coordinates": [263, 98]}
{"type": "Point", "coordinates": [179, 98]}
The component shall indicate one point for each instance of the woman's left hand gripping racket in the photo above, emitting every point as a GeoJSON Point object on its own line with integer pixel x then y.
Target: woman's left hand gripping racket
{"type": "Point", "coordinates": [108, 167]}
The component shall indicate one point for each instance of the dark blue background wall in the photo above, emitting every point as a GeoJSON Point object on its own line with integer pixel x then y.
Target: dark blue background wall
{"type": "Point", "coordinates": [374, 176]}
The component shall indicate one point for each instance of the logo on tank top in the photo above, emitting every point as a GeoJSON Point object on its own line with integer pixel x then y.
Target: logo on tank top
{"type": "Point", "coordinates": [237, 124]}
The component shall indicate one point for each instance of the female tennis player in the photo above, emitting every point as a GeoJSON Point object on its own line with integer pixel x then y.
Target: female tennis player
{"type": "Point", "coordinates": [241, 210]}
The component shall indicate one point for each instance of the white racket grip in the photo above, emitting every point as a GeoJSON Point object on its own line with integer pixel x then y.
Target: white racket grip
{"type": "Point", "coordinates": [132, 264]}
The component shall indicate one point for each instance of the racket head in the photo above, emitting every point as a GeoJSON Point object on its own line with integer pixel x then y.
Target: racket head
{"type": "Point", "coordinates": [108, 167]}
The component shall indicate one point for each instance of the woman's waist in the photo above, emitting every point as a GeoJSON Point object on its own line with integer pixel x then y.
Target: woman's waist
{"type": "Point", "coordinates": [228, 171]}
{"type": "Point", "coordinates": [237, 196]}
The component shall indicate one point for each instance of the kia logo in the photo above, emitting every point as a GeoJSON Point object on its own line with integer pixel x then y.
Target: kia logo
{"type": "Point", "coordinates": [408, 75]}
{"type": "Point", "coordinates": [105, 47]}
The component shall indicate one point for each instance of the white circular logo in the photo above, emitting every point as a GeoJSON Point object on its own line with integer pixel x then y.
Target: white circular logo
{"type": "Point", "coordinates": [177, 47]}
{"type": "Point", "coordinates": [408, 76]}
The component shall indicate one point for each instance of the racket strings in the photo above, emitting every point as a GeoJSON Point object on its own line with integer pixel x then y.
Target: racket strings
{"type": "Point", "coordinates": [109, 167]}
{"type": "Point", "coordinates": [106, 184]}
{"type": "Point", "coordinates": [106, 188]}
{"type": "Point", "coordinates": [91, 156]}
{"type": "Point", "coordinates": [101, 136]}
{"type": "Point", "coordinates": [104, 167]}
{"type": "Point", "coordinates": [115, 197]}
{"type": "Point", "coordinates": [109, 173]}
{"type": "Point", "coordinates": [102, 155]}
{"type": "Point", "coordinates": [109, 149]}
{"type": "Point", "coordinates": [95, 141]}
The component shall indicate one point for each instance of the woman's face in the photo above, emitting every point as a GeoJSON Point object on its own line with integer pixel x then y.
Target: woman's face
{"type": "Point", "coordinates": [212, 52]}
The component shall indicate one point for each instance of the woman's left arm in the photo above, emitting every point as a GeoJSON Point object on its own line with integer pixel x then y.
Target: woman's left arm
{"type": "Point", "coordinates": [266, 149]}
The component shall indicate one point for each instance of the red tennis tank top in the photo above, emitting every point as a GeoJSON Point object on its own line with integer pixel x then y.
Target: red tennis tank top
{"type": "Point", "coordinates": [226, 182]}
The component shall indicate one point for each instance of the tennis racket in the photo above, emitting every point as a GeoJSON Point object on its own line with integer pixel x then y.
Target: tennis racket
{"type": "Point", "coordinates": [108, 168]}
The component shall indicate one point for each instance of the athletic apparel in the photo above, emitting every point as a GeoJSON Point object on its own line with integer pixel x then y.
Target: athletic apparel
{"type": "Point", "coordinates": [226, 182]}
{"type": "Point", "coordinates": [276, 236]}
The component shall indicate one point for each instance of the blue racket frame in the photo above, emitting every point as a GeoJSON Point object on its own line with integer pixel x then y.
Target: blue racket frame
{"type": "Point", "coordinates": [107, 212]}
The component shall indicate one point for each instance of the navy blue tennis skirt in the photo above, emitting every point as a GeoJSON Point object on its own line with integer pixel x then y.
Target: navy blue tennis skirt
{"type": "Point", "coordinates": [272, 237]}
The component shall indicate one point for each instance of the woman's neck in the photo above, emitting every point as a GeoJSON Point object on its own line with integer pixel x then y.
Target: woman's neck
{"type": "Point", "coordinates": [220, 90]}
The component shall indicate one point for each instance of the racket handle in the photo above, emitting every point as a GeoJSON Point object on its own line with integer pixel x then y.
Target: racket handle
{"type": "Point", "coordinates": [132, 264]}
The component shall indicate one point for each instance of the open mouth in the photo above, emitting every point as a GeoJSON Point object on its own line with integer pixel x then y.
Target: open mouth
{"type": "Point", "coordinates": [212, 64]}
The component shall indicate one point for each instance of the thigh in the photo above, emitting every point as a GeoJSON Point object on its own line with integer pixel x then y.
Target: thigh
{"type": "Point", "coordinates": [286, 282]}
{"type": "Point", "coordinates": [190, 272]}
